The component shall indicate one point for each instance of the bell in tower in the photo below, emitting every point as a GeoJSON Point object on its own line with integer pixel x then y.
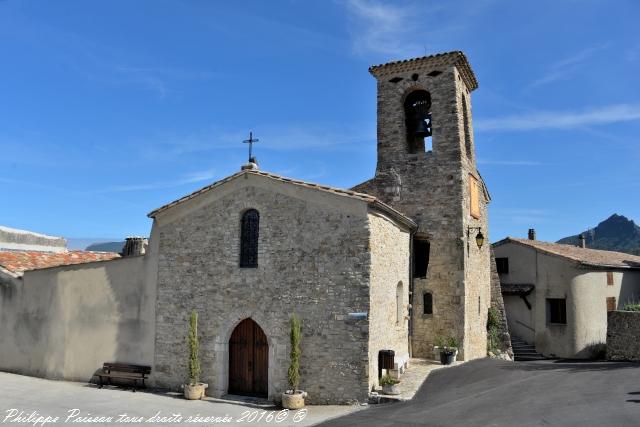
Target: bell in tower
{"type": "Point", "coordinates": [417, 108]}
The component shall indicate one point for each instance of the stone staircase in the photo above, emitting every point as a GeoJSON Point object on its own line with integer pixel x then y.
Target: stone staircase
{"type": "Point", "coordinates": [523, 351]}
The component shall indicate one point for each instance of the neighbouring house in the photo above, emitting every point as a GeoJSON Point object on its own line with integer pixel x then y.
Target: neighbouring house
{"type": "Point", "coordinates": [392, 264]}
{"type": "Point", "coordinates": [557, 296]}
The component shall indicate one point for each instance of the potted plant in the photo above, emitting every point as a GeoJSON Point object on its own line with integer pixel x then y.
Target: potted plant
{"type": "Point", "coordinates": [448, 350]}
{"type": "Point", "coordinates": [194, 389]}
{"type": "Point", "coordinates": [389, 384]}
{"type": "Point", "coordinates": [294, 398]}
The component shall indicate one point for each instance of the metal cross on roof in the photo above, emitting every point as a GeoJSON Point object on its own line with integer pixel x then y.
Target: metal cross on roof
{"type": "Point", "coordinates": [250, 141]}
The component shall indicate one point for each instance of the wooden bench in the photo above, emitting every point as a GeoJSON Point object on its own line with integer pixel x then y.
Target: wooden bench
{"type": "Point", "coordinates": [124, 371]}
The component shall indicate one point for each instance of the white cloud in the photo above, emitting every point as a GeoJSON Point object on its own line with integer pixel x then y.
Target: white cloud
{"type": "Point", "coordinates": [382, 28]}
{"type": "Point", "coordinates": [510, 162]}
{"type": "Point", "coordinates": [308, 137]}
{"type": "Point", "coordinates": [561, 119]}
{"type": "Point", "coordinates": [188, 178]}
{"type": "Point", "coordinates": [567, 66]}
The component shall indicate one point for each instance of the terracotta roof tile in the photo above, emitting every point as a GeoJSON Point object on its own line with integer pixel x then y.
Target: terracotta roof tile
{"type": "Point", "coordinates": [585, 256]}
{"type": "Point", "coordinates": [456, 58]}
{"type": "Point", "coordinates": [18, 262]}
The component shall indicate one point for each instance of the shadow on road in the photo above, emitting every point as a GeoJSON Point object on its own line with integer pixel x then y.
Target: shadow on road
{"type": "Point", "coordinates": [573, 365]}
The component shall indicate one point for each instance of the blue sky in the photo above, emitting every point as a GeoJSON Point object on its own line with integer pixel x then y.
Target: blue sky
{"type": "Point", "coordinates": [111, 109]}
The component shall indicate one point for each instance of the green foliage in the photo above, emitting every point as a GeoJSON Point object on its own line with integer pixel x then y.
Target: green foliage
{"type": "Point", "coordinates": [452, 342]}
{"type": "Point", "coordinates": [194, 347]}
{"type": "Point", "coordinates": [493, 339]}
{"type": "Point", "coordinates": [447, 345]}
{"type": "Point", "coordinates": [492, 318]}
{"type": "Point", "coordinates": [634, 306]}
{"type": "Point", "coordinates": [388, 380]}
{"type": "Point", "coordinates": [293, 375]}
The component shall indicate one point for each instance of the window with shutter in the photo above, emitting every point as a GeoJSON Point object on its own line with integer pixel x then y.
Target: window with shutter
{"type": "Point", "coordinates": [611, 303]}
{"type": "Point", "coordinates": [609, 278]}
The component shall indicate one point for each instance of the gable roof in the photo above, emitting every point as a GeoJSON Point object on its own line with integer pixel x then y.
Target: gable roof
{"type": "Point", "coordinates": [456, 58]}
{"type": "Point", "coordinates": [371, 200]}
{"type": "Point", "coordinates": [17, 262]}
{"type": "Point", "coordinates": [583, 256]}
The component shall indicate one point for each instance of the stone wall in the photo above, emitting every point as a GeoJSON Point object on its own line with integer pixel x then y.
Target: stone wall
{"type": "Point", "coordinates": [432, 188]}
{"type": "Point", "coordinates": [65, 322]}
{"type": "Point", "coordinates": [623, 335]}
{"type": "Point", "coordinates": [497, 303]}
{"type": "Point", "coordinates": [14, 239]}
{"type": "Point", "coordinates": [314, 261]}
{"type": "Point", "coordinates": [388, 323]}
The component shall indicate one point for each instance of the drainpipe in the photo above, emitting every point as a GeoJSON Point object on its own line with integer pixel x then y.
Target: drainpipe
{"type": "Point", "coordinates": [411, 260]}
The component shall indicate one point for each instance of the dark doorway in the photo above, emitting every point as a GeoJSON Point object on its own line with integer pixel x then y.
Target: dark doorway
{"type": "Point", "coordinates": [248, 360]}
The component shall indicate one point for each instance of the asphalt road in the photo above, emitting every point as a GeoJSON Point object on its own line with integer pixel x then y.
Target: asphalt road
{"type": "Point", "coordinates": [497, 393]}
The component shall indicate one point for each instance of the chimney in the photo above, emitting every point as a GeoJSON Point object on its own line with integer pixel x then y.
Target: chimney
{"type": "Point", "coordinates": [532, 234]}
{"type": "Point", "coordinates": [135, 246]}
{"type": "Point", "coordinates": [583, 240]}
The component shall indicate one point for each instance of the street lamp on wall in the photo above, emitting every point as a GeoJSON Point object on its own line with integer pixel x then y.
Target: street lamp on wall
{"type": "Point", "coordinates": [479, 236]}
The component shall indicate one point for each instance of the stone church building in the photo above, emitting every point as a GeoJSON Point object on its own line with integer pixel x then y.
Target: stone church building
{"type": "Point", "coordinates": [392, 264]}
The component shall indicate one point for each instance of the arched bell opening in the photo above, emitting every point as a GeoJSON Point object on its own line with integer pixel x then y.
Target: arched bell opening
{"type": "Point", "coordinates": [417, 113]}
{"type": "Point", "coordinates": [248, 360]}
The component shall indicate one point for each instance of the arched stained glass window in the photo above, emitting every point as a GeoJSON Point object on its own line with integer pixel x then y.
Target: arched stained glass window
{"type": "Point", "coordinates": [249, 231]}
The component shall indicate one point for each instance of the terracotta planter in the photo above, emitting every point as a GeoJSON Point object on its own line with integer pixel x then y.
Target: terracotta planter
{"type": "Point", "coordinates": [293, 401]}
{"type": "Point", "coordinates": [194, 391]}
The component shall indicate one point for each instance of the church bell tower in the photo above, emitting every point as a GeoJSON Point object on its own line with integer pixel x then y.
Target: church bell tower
{"type": "Point", "coordinates": [426, 169]}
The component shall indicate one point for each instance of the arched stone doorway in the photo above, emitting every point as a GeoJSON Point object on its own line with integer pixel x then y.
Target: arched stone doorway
{"type": "Point", "coordinates": [248, 360]}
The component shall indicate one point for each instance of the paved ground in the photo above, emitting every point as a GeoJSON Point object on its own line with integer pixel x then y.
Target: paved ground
{"type": "Point", "coordinates": [497, 393]}
{"type": "Point", "coordinates": [56, 398]}
{"type": "Point", "coordinates": [412, 379]}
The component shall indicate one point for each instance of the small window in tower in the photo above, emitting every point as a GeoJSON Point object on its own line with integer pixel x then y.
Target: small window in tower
{"type": "Point", "coordinates": [434, 73]}
{"type": "Point", "coordinates": [474, 197]}
{"type": "Point", "coordinates": [396, 80]}
{"type": "Point", "coordinates": [421, 250]}
{"type": "Point", "coordinates": [611, 304]}
{"type": "Point", "coordinates": [414, 77]}
{"type": "Point", "coordinates": [417, 112]}
{"type": "Point", "coordinates": [399, 305]}
{"type": "Point", "coordinates": [467, 130]}
{"type": "Point", "coordinates": [427, 303]}
{"type": "Point", "coordinates": [502, 264]}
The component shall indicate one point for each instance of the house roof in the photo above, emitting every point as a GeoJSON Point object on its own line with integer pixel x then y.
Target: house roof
{"type": "Point", "coordinates": [456, 58]}
{"type": "Point", "coordinates": [17, 262]}
{"type": "Point", "coordinates": [371, 200]}
{"type": "Point", "coordinates": [583, 256]}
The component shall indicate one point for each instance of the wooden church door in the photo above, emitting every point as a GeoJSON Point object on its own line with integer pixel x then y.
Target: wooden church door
{"type": "Point", "coordinates": [248, 360]}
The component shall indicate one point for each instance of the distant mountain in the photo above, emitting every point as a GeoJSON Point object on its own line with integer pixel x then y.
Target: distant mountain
{"type": "Point", "coordinates": [616, 233]}
{"type": "Point", "coordinates": [106, 247]}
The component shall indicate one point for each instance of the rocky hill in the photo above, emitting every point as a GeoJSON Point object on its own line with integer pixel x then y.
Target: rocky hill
{"type": "Point", "coordinates": [106, 247]}
{"type": "Point", "coordinates": [616, 233]}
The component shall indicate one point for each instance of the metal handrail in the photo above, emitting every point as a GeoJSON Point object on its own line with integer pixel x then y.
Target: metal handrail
{"type": "Point", "coordinates": [525, 325]}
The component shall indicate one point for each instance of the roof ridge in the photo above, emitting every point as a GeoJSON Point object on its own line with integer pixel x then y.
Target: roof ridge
{"type": "Point", "coordinates": [372, 200]}
{"type": "Point", "coordinates": [587, 256]}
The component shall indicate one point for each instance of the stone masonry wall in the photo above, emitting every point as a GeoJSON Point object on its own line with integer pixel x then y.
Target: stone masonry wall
{"type": "Point", "coordinates": [432, 188]}
{"type": "Point", "coordinates": [389, 275]}
{"type": "Point", "coordinates": [497, 302]}
{"type": "Point", "coordinates": [313, 260]}
{"type": "Point", "coordinates": [623, 335]}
